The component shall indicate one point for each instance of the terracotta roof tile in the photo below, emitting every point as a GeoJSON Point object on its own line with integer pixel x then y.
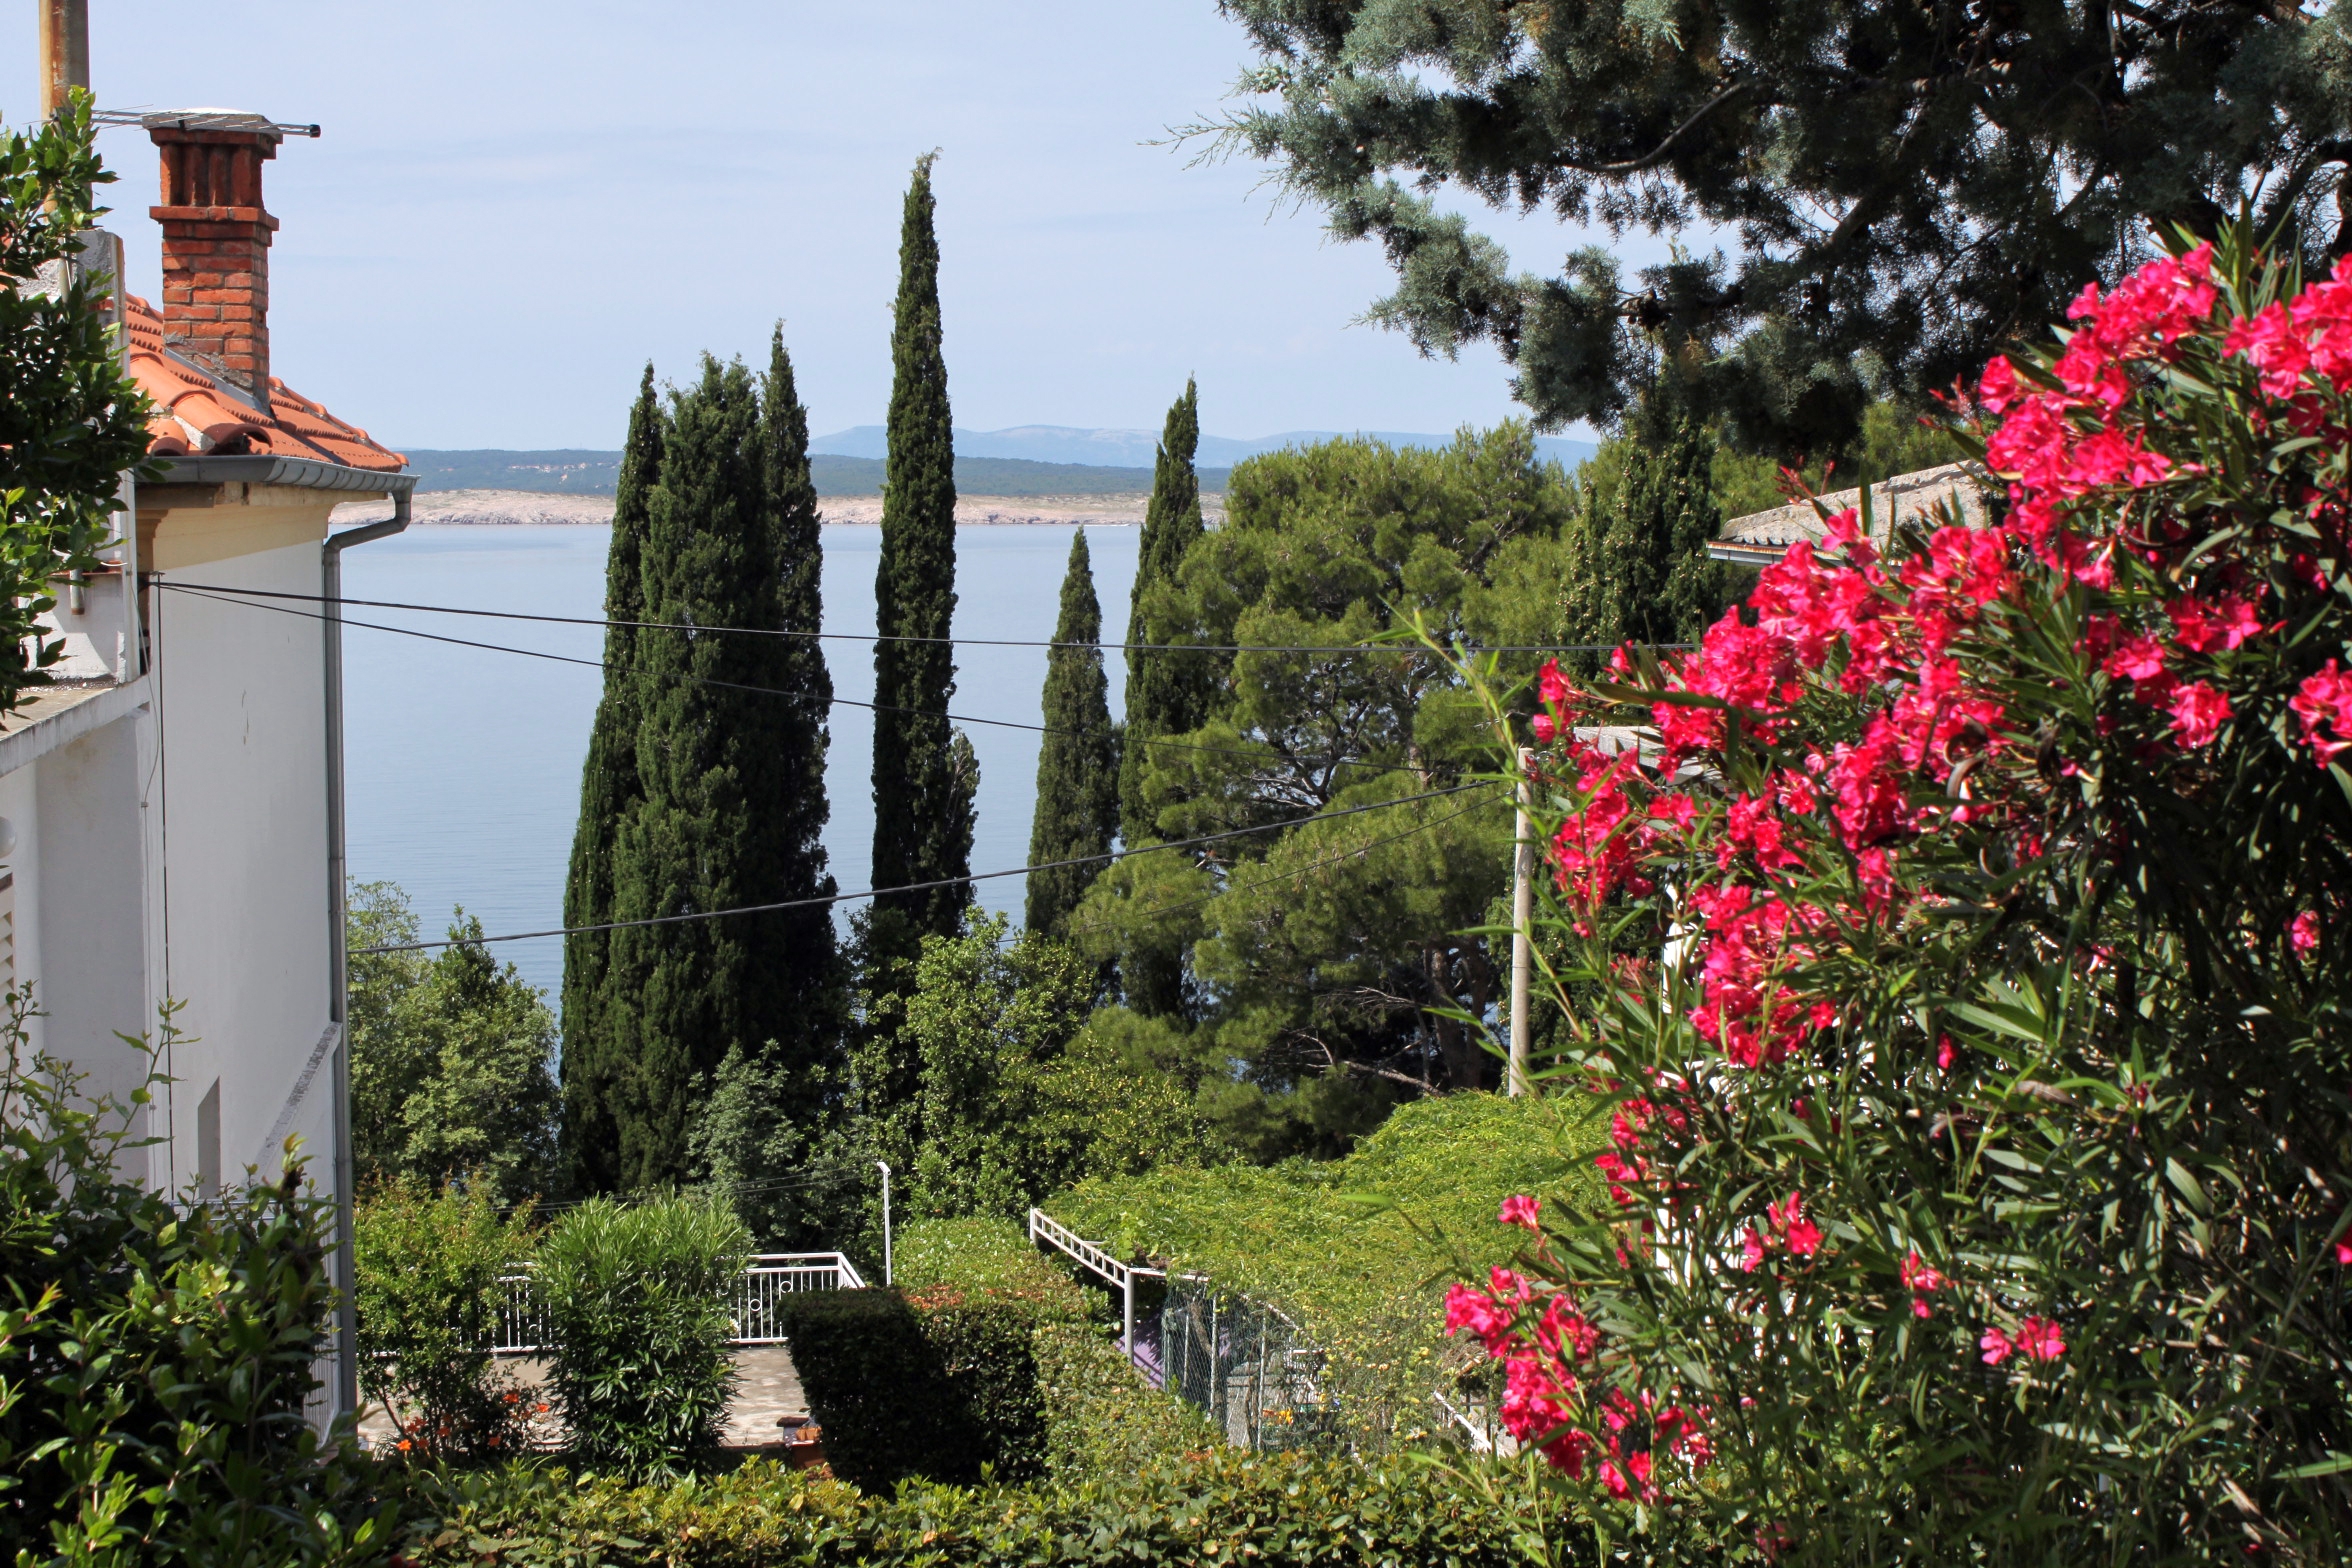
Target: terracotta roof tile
{"type": "Point", "coordinates": [196, 413]}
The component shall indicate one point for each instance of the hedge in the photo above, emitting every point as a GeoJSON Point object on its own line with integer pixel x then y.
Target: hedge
{"type": "Point", "coordinates": [1272, 1511]}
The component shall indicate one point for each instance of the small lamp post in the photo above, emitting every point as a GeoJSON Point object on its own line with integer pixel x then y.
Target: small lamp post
{"type": "Point", "coordinates": [887, 1277]}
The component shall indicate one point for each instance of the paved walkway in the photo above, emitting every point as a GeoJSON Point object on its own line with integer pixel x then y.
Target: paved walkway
{"type": "Point", "coordinates": [766, 1390]}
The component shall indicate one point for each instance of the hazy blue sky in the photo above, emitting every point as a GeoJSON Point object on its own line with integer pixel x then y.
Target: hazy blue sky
{"type": "Point", "coordinates": [515, 204]}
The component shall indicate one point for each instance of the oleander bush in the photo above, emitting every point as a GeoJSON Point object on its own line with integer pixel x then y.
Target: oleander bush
{"type": "Point", "coordinates": [1223, 1506]}
{"type": "Point", "coordinates": [1961, 934]}
{"type": "Point", "coordinates": [158, 1364]}
{"type": "Point", "coordinates": [428, 1266]}
{"type": "Point", "coordinates": [639, 1300]}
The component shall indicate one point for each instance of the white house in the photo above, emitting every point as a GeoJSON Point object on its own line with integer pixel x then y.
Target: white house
{"type": "Point", "coordinates": [172, 810]}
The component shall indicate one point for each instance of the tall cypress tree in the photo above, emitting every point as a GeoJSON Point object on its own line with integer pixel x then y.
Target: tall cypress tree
{"type": "Point", "coordinates": [924, 774]}
{"type": "Point", "coordinates": [1167, 693]}
{"type": "Point", "coordinates": [592, 1062]}
{"type": "Point", "coordinates": [726, 750]}
{"type": "Point", "coordinates": [1078, 761]}
{"type": "Point", "coordinates": [1640, 570]}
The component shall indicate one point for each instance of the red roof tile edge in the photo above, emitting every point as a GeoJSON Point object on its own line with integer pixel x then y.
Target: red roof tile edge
{"type": "Point", "coordinates": [196, 414]}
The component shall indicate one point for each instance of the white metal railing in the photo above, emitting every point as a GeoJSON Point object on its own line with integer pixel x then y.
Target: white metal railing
{"type": "Point", "coordinates": [768, 1278]}
{"type": "Point", "coordinates": [1121, 1276]}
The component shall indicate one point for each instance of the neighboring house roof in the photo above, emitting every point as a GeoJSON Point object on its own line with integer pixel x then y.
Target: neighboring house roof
{"type": "Point", "coordinates": [196, 413]}
{"type": "Point", "coordinates": [1761, 538]}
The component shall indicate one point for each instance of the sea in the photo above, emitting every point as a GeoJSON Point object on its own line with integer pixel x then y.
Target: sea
{"type": "Point", "coordinates": [463, 755]}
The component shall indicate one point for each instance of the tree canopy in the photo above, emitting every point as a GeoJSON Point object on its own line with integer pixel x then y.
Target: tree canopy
{"type": "Point", "coordinates": [1863, 196]}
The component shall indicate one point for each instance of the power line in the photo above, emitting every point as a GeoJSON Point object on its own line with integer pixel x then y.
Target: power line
{"type": "Point", "coordinates": [967, 642]}
{"type": "Point", "coordinates": [923, 887]}
{"type": "Point", "coordinates": [789, 696]}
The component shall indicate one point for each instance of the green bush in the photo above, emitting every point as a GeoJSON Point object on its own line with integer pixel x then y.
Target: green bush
{"type": "Point", "coordinates": [428, 1270]}
{"type": "Point", "coordinates": [1101, 1417]}
{"type": "Point", "coordinates": [878, 1389]}
{"type": "Point", "coordinates": [638, 1300]}
{"type": "Point", "coordinates": [1356, 1251]}
{"type": "Point", "coordinates": [156, 1364]}
{"type": "Point", "coordinates": [1221, 1506]}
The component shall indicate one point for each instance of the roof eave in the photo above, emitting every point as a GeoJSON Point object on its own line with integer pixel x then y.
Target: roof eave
{"type": "Point", "coordinates": [300, 473]}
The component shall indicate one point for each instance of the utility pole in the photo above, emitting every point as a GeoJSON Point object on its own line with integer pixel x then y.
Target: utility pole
{"type": "Point", "coordinates": [65, 51]}
{"type": "Point", "coordinates": [1522, 913]}
{"type": "Point", "coordinates": [888, 1276]}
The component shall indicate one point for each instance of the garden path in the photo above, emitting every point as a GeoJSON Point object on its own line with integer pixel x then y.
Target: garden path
{"type": "Point", "coordinates": [767, 1389]}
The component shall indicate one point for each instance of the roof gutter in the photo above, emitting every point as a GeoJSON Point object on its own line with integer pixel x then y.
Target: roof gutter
{"type": "Point", "coordinates": [305, 474]}
{"type": "Point", "coordinates": [1738, 554]}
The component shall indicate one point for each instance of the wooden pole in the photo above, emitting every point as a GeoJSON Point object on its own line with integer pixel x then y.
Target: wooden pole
{"type": "Point", "coordinates": [65, 51]}
{"type": "Point", "coordinates": [1522, 913]}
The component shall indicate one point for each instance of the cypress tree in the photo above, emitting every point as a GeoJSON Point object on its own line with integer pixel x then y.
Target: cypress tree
{"type": "Point", "coordinates": [726, 750]}
{"type": "Point", "coordinates": [1167, 693]}
{"type": "Point", "coordinates": [1078, 761]}
{"type": "Point", "coordinates": [1639, 567]}
{"type": "Point", "coordinates": [924, 774]}
{"type": "Point", "coordinates": [592, 1063]}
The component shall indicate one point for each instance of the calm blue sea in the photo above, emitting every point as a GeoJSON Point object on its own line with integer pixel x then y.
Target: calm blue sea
{"type": "Point", "coordinates": [463, 764]}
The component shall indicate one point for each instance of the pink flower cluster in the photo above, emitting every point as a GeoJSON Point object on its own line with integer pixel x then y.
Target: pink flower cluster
{"type": "Point", "coordinates": [2037, 1339]}
{"type": "Point", "coordinates": [2310, 334]}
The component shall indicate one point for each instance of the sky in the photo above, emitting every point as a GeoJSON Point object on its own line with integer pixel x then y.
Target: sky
{"type": "Point", "coordinates": [515, 205]}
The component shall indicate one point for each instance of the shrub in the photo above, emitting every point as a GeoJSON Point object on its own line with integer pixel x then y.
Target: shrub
{"type": "Point", "coordinates": [1101, 1417]}
{"type": "Point", "coordinates": [878, 1389]}
{"type": "Point", "coordinates": [155, 1364]}
{"type": "Point", "coordinates": [638, 1300]}
{"type": "Point", "coordinates": [1355, 1251]}
{"type": "Point", "coordinates": [1285, 1511]}
{"type": "Point", "coordinates": [1965, 948]}
{"type": "Point", "coordinates": [428, 1271]}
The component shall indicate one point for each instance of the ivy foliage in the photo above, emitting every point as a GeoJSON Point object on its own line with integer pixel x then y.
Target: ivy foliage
{"type": "Point", "coordinates": [72, 421]}
{"type": "Point", "coordinates": [1864, 197]}
{"type": "Point", "coordinates": [1358, 1251]}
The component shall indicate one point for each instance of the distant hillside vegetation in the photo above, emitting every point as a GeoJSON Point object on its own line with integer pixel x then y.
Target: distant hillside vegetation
{"type": "Point", "coordinates": [595, 473]}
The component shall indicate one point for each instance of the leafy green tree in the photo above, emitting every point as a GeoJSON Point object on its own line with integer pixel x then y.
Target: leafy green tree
{"type": "Point", "coordinates": [72, 422]}
{"type": "Point", "coordinates": [1896, 189]}
{"type": "Point", "coordinates": [724, 740]}
{"type": "Point", "coordinates": [1021, 1098]}
{"type": "Point", "coordinates": [924, 775]}
{"type": "Point", "coordinates": [452, 1059]}
{"type": "Point", "coordinates": [595, 1063]}
{"type": "Point", "coordinates": [1077, 811]}
{"type": "Point", "coordinates": [1637, 567]}
{"type": "Point", "coordinates": [1327, 961]}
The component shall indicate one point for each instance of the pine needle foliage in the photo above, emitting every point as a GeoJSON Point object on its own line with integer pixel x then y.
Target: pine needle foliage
{"type": "Point", "coordinates": [593, 1062]}
{"type": "Point", "coordinates": [1077, 809]}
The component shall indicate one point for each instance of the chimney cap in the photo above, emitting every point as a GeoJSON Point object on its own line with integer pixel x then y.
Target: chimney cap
{"type": "Point", "coordinates": [204, 119]}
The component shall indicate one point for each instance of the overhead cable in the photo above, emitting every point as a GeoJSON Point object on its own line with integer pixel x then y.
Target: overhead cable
{"type": "Point", "coordinates": [826, 900]}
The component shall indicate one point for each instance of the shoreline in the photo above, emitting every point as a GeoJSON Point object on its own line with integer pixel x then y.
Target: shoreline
{"type": "Point", "coordinates": [512, 508]}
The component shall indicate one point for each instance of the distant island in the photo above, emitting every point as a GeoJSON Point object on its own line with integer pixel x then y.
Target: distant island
{"type": "Point", "coordinates": [987, 463]}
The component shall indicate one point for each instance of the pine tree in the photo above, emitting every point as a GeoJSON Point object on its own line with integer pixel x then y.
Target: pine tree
{"type": "Point", "coordinates": [1639, 569]}
{"type": "Point", "coordinates": [727, 750]}
{"type": "Point", "coordinates": [1167, 692]}
{"type": "Point", "coordinates": [592, 1064]}
{"type": "Point", "coordinates": [1078, 761]}
{"type": "Point", "coordinates": [924, 774]}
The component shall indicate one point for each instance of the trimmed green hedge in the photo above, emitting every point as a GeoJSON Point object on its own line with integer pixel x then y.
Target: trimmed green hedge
{"type": "Point", "coordinates": [1221, 1506]}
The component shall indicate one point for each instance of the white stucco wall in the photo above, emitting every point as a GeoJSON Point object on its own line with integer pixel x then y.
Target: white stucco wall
{"type": "Point", "coordinates": [242, 706]}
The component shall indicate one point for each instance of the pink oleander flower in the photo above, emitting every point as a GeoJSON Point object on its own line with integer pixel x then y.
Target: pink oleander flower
{"type": "Point", "coordinates": [1543, 728]}
{"type": "Point", "coordinates": [2324, 703]}
{"type": "Point", "coordinates": [2303, 932]}
{"type": "Point", "coordinates": [1521, 1210]}
{"type": "Point", "coordinates": [1996, 1346]}
{"type": "Point", "coordinates": [2199, 710]}
{"type": "Point", "coordinates": [2039, 1338]}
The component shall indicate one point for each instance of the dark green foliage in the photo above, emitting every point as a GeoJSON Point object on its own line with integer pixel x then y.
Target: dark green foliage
{"type": "Point", "coordinates": [1328, 959]}
{"type": "Point", "coordinates": [428, 1267]}
{"type": "Point", "coordinates": [1168, 693]}
{"type": "Point", "coordinates": [638, 1300]}
{"type": "Point", "coordinates": [923, 781]}
{"type": "Point", "coordinates": [1179, 1511]}
{"type": "Point", "coordinates": [452, 1072]}
{"type": "Point", "coordinates": [1637, 566]}
{"type": "Point", "coordinates": [1019, 1095]}
{"type": "Point", "coordinates": [1077, 812]}
{"type": "Point", "coordinates": [72, 422]}
{"type": "Point", "coordinates": [729, 755]}
{"type": "Point", "coordinates": [1902, 188]}
{"type": "Point", "coordinates": [595, 1060]}
{"type": "Point", "coordinates": [155, 1363]}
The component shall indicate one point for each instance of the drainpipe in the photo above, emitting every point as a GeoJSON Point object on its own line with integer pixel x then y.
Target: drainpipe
{"type": "Point", "coordinates": [338, 984]}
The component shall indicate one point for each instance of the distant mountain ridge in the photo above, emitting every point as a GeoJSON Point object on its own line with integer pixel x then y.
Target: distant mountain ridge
{"type": "Point", "coordinates": [1030, 460]}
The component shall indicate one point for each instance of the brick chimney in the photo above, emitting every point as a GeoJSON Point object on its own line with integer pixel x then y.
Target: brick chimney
{"type": "Point", "coordinates": [216, 240]}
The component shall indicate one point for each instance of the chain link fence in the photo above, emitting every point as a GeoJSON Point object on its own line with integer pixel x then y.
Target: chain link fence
{"type": "Point", "coordinates": [1247, 1366]}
